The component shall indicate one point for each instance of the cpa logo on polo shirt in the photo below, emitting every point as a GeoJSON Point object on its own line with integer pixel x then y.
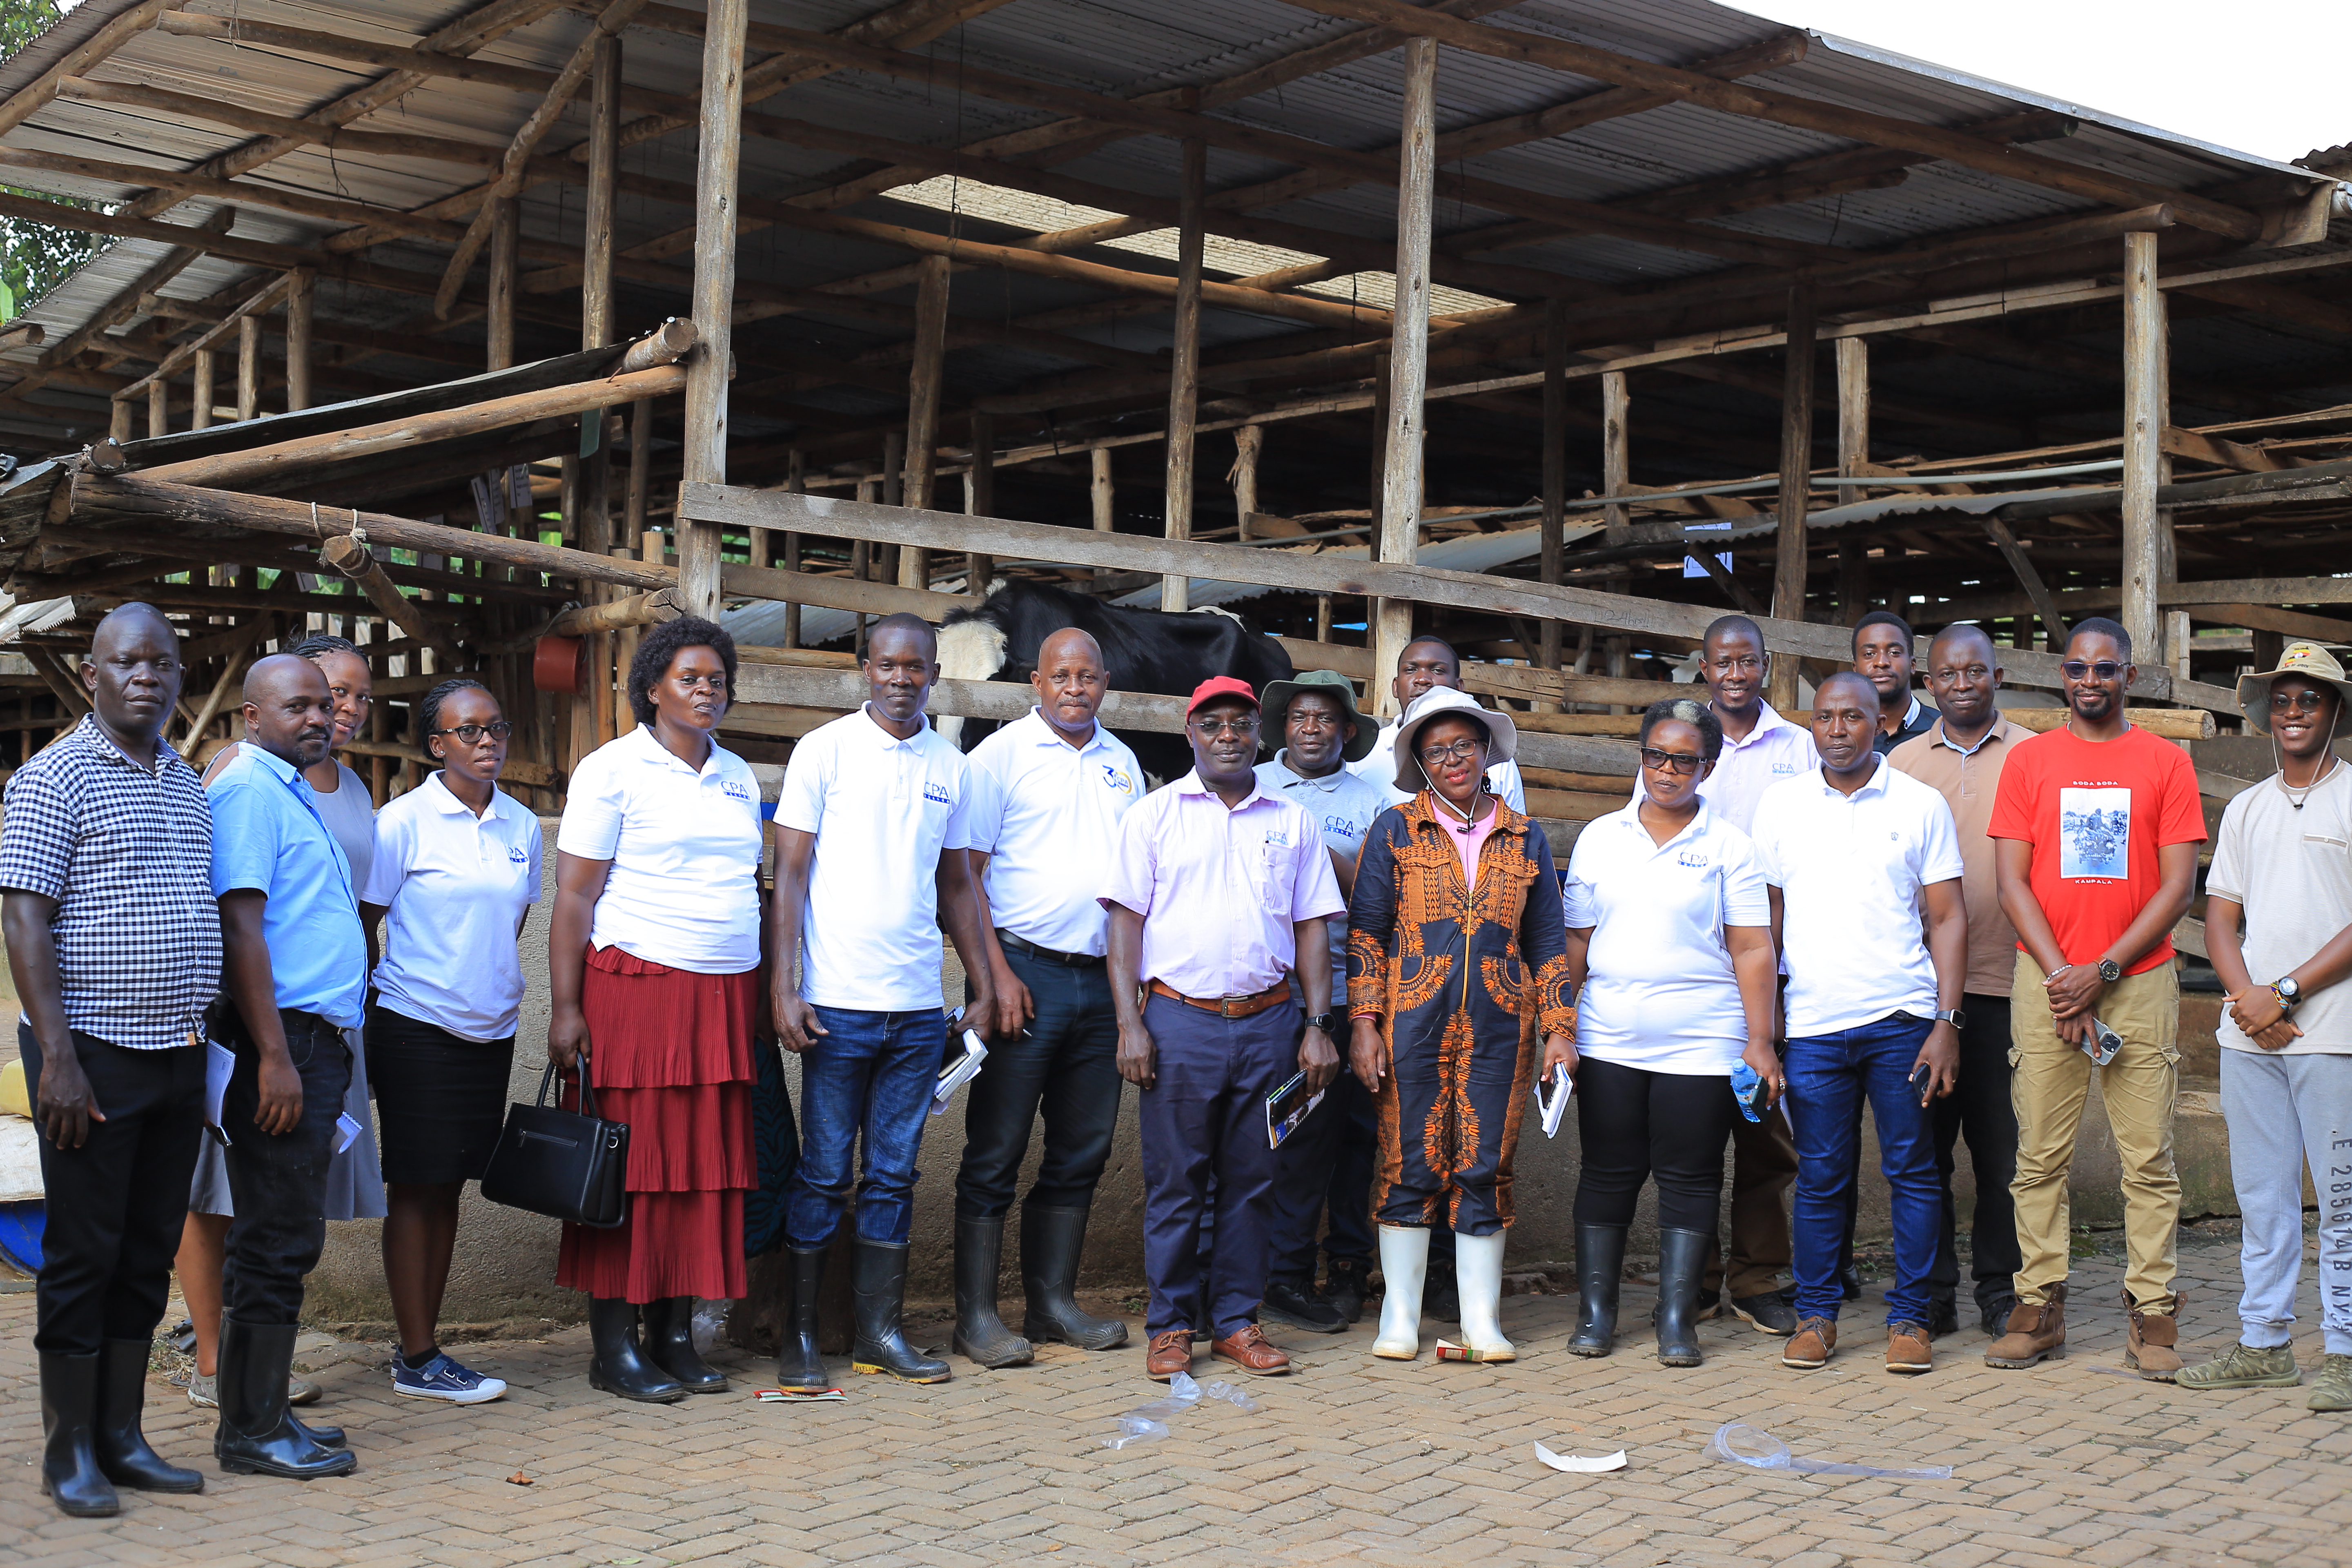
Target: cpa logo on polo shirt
{"type": "Point", "coordinates": [1278, 837]}
{"type": "Point", "coordinates": [735, 789]}
{"type": "Point", "coordinates": [515, 853]}
{"type": "Point", "coordinates": [1117, 779]}
{"type": "Point", "coordinates": [1692, 858]}
{"type": "Point", "coordinates": [936, 793]}
{"type": "Point", "coordinates": [1784, 767]}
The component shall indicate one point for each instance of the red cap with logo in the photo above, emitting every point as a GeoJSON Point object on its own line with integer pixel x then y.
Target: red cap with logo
{"type": "Point", "coordinates": [1218, 686]}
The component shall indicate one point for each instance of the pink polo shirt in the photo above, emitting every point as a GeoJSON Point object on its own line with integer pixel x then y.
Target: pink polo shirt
{"type": "Point", "coordinates": [1218, 890]}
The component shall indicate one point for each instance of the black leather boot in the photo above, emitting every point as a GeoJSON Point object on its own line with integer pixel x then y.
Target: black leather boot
{"type": "Point", "coordinates": [801, 1365]}
{"type": "Point", "coordinates": [1600, 1271]}
{"type": "Point", "coordinates": [1682, 1258]}
{"type": "Point", "coordinates": [879, 1294]}
{"type": "Point", "coordinates": [1051, 1243]}
{"type": "Point", "coordinates": [669, 1343]}
{"type": "Point", "coordinates": [1344, 1282]}
{"type": "Point", "coordinates": [122, 1450]}
{"type": "Point", "coordinates": [256, 1436]}
{"type": "Point", "coordinates": [69, 1468]}
{"type": "Point", "coordinates": [980, 1334]}
{"type": "Point", "coordinates": [619, 1367]}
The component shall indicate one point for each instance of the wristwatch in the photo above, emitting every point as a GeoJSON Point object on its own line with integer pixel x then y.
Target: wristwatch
{"type": "Point", "coordinates": [2289, 993]}
{"type": "Point", "coordinates": [2110, 971]}
{"type": "Point", "coordinates": [1323, 1021]}
{"type": "Point", "coordinates": [1955, 1018]}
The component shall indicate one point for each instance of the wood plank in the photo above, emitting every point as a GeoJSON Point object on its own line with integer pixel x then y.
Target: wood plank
{"type": "Point", "coordinates": [2145, 418]}
{"type": "Point", "coordinates": [2221, 453]}
{"type": "Point", "coordinates": [1788, 562]}
{"type": "Point", "coordinates": [1184, 364]}
{"type": "Point", "coordinates": [1398, 497]}
{"type": "Point", "coordinates": [35, 94]}
{"type": "Point", "coordinates": [2263, 619]}
{"type": "Point", "coordinates": [716, 178]}
{"type": "Point", "coordinates": [2054, 622]}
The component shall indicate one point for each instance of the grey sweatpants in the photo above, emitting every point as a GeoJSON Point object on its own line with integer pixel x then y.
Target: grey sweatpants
{"type": "Point", "coordinates": [2284, 1112]}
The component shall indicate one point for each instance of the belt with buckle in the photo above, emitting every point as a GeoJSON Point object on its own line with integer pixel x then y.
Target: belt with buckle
{"type": "Point", "coordinates": [1068, 959]}
{"type": "Point", "coordinates": [1273, 995]}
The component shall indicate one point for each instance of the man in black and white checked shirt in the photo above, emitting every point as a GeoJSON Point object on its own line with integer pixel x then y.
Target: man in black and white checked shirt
{"type": "Point", "coordinates": [114, 940]}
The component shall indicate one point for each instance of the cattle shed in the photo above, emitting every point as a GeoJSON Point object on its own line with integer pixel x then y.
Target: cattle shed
{"type": "Point", "coordinates": [487, 334]}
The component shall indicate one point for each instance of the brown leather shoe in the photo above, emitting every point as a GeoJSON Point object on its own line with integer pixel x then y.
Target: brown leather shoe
{"type": "Point", "coordinates": [2035, 1333]}
{"type": "Point", "coordinates": [1812, 1345]}
{"type": "Point", "coordinates": [2152, 1346]}
{"type": "Point", "coordinates": [1169, 1354]}
{"type": "Point", "coordinates": [1248, 1349]}
{"type": "Point", "coordinates": [1908, 1348]}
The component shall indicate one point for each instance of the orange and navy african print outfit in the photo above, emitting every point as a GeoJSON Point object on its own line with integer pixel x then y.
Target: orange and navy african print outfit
{"type": "Point", "coordinates": [1464, 983]}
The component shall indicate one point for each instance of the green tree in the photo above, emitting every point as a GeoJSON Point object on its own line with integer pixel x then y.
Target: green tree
{"type": "Point", "coordinates": [35, 257]}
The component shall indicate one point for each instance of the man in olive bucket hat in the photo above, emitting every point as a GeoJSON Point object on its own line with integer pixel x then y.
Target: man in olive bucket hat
{"type": "Point", "coordinates": [1313, 722]}
{"type": "Point", "coordinates": [2283, 862]}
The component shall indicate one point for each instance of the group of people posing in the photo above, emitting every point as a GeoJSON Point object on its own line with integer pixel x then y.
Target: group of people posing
{"type": "Point", "coordinates": [1928, 910]}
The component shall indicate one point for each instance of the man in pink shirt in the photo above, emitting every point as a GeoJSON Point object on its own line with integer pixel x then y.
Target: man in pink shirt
{"type": "Point", "coordinates": [1216, 889]}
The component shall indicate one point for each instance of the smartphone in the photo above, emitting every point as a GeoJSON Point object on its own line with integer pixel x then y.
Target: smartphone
{"type": "Point", "coordinates": [1922, 1077]}
{"type": "Point", "coordinates": [2102, 1045]}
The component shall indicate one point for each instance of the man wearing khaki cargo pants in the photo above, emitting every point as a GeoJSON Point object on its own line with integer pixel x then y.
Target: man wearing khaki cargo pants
{"type": "Point", "coordinates": [2096, 829]}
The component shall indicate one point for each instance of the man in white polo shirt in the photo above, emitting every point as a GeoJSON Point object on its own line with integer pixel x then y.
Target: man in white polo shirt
{"type": "Point", "coordinates": [1048, 791]}
{"type": "Point", "coordinates": [870, 863]}
{"type": "Point", "coordinates": [1425, 664]}
{"type": "Point", "coordinates": [1860, 858]}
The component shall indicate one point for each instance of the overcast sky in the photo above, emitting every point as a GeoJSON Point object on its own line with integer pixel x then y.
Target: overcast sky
{"type": "Point", "coordinates": [2264, 76]}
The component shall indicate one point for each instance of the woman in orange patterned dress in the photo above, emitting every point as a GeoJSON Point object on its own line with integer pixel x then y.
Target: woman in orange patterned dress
{"type": "Point", "coordinates": [1456, 962]}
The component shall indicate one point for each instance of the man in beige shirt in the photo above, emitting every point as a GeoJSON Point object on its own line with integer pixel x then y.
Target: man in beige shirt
{"type": "Point", "coordinates": [1960, 757]}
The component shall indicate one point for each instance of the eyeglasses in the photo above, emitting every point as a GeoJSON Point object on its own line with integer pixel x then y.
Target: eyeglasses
{"type": "Point", "coordinates": [1685, 763]}
{"type": "Point", "coordinates": [1212, 728]}
{"type": "Point", "coordinates": [2104, 670]}
{"type": "Point", "coordinates": [471, 734]}
{"type": "Point", "coordinates": [2310, 699]}
{"type": "Point", "coordinates": [1459, 752]}
{"type": "Point", "coordinates": [1972, 673]}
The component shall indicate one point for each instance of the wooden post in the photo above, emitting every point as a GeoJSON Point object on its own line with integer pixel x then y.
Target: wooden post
{"type": "Point", "coordinates": [923, 403]}
{"type": "Point", "coordinates": [641, 468]}
{"type": "Point", "coordinates": [1616, 476]}
{"type": "Point", "coordinates": [2144, 416]}
{"type": "Point", "coordinates": [1184, 364]}
{"type": "Point", "coordinates": [299, 299]}
{"type": "Point", "coordinates": [1796, 461]}
{"type": "Point", "coordinates": [1853, 575]}
{"type": "Point", "coordinates": [2176, 642]}
{"type": "Point", "coordinates": [980, 500]}
{"type": "Point", "coordinates": [718, 155]}
{"type": "Point", "coordinates": [1555, 473]}
{"type": "Point", "coordinates": [204, 370]}
{"type": "Point", "coordinates": [1100, 496]}
{"type": "Point", "coordinates": [592, 476]}
{"type": "Point", "coordinates": [1854, 413]}
{"type": "Point", "coordinates": [1249, 441]}
{"type": "Point", "coordinates": [1399, 499]}
{"type": "Point", "coordinates": [159, 407]}
{"type": "Point", "coordinates": [624, 654]}
{"type": "Point", "coordinates": [1382, 374]}
{"type": "Point", "coordinates": [248, 368]}
{"type": "Point", "coordinates": [885, 557]}
{"type": "Point", "coordinates": [796, 481]}
{"type": "Point", "coordinates": [118, 425]}
{"type": "Point", "coordinates": [505, 235]}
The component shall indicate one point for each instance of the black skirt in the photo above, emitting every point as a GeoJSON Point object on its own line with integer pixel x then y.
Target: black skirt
{"type": "Point", "coordinates": [440, 1099]}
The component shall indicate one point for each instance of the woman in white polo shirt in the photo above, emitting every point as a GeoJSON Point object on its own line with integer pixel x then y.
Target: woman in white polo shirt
{"type": "Point", "coordinates": [1670, 945]}
{"type": "Point", "coordinates": [654, 950]}
{"type": "Point", "coordinates": [457, 870]}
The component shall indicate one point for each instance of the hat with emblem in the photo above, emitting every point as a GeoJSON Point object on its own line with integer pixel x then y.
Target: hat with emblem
{"type": "Point", "coordinates": [2304, 658]}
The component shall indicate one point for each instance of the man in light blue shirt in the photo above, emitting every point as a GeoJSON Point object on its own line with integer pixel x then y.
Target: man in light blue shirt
{"type": "Point", "coordinates": [1329, 1157]}
{"type": "Point", "coordinates": [294, 964]}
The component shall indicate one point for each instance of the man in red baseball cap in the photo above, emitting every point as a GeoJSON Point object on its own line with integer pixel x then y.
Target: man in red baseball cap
{"type": "Point", "coordinates": [1216, 889]}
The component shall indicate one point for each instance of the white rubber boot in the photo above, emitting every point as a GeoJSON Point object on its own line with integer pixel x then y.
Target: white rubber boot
{"type": "Point", "coordinates": [1404, 1264]}
{"type": "Point", "coordinates": [1478, 1269]}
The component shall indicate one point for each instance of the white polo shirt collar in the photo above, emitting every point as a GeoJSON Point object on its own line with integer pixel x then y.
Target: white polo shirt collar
{"type": "Point", "coordinates": [1047, 813]}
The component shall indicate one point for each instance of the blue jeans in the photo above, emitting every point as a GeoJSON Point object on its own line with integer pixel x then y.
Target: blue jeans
{"type": "Point", "coordinates": [870, 1073]}
{"type": "Point", "coordinates": [1067, 1065]}
{"type": "Point", "coordinates": [1829, 1075]}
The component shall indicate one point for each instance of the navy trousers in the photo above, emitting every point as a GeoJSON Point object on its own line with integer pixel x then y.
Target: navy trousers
{"type": "Point", "coordinates": [1204, 1116]}
{"type": "Point", "coordinates": [1327, 1160]}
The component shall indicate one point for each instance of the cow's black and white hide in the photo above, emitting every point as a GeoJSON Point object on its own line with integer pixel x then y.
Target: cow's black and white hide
{"type": "Point", "coordinates": [1144, 651]}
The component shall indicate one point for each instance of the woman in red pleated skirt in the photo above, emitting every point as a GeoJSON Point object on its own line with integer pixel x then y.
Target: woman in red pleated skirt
{"type": "Point", "coordinates": [656, 979]}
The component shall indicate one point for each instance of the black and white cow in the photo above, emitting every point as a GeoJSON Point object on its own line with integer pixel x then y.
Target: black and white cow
{"type": "Point", "coordinates": [1145, 650]}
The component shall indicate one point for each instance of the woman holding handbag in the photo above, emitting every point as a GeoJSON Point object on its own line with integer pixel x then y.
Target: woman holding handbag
{"type": "Point", "coordinates": [455, 871]}
{"type": "Point", "coordinates": [655, 957]}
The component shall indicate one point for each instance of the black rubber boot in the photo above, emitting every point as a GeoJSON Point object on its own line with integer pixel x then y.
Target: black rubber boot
{"type": "Point", "coordinates": [1600, 1271]}
{"type": "Point", "coordinates": [325, 1437]}
{"type": "Point", "coordinates": [800, 1366]}
{"type": "Point", "coordinates": [669, 1343]}
{"type": "Point", "coordinates": [1441, 1292]}
{"type": "Point", "coordinates": [1051, 1243]}
{"type": "Point", "coordinates": [619, 1367]}
{"type": "Point", "coordinates": [1682, 1258]}
{"type": "Point", "coordinates": [69, 1468]}
{"type": "Point", "coordinates": [122, 1450]}
{"type": "Point", "coordinates": [1344, 1282]}
{"type": "Point", "coordinates": [980, 1334]}
{"type": "Point", "coordinates": [256, 1436]}
{"type": "Point", "coordinates": [879, 1294]}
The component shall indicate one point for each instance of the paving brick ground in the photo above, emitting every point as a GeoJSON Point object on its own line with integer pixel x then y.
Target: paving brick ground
{"type": "Point", "coordinates": [1350, 1461]}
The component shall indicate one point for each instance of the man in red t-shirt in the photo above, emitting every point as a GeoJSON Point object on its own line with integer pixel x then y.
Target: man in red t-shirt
{"type": "Point", "coordinates": [2094, 832]}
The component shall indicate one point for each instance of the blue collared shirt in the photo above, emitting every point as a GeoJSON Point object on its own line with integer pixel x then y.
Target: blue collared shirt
{"type": "Point", "coordinates": [267, 835]}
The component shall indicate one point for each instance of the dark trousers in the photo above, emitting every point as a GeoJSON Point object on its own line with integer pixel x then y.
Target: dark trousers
{"type": "Point", "coordinates": [1066, 1066]}
{"type": "Point", "coordinates": [279, 1184]}
{"type": "Point", "coordinates": [1633, 1125]}
{"type": "Point", "coordinates": [1763, 1168]}
{"type": "Point", "coordinates": [1829, 1075]}
{"type": "Point", "coordinates": [1327, 1162]}
{"type": "Point", "coordinates": [116, 1205]}
{"type": "Point", "coordinates": [1979, 1108]}
{"type": "Point", "coordinates": [1205, 1115]}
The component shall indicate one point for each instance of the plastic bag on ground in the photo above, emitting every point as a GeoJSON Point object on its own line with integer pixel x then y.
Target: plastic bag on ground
{"type": "Point", "coordinates": [1744, 1445]}
{"type": "Point", "coordinates": [1134, 1430]}
{"type": "Point", "coordinates": [1232, 1395]}
{"type": "Point", "coordinates": [710, 1323]}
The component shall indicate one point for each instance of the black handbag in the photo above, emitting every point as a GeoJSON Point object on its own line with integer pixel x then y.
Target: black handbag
{"type": "Point", "coordinates": [569, 1165]}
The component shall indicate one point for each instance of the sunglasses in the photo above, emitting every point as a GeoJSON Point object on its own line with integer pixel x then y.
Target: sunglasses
{"type": "Point", "coordinates": [2307, 700]}
{"type": "Point", "coordinates": [1684, 763]}
{"type": "Point", "coordinates": [2104, 670]}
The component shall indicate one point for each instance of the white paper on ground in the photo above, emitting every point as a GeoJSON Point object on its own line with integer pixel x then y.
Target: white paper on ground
{"type": "Point", "coordinates": [219, 1062]}
{"type": "Point", "coordinates": [1577, 1465]}
{"type": "Point", "coordinates": [346, 1129]}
